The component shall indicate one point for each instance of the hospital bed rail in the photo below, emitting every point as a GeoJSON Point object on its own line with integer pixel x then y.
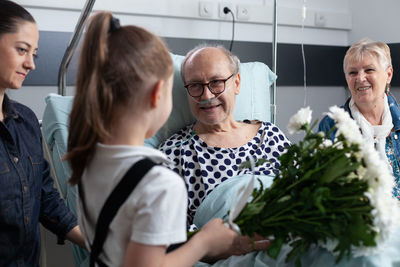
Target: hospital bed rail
{"type": "Point", "coordinates": [79, 254]}
{"type": "Point", "coordinates": [62, 73]}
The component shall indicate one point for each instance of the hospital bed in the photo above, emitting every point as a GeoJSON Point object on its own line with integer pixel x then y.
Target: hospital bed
{"type": "Point", "coordinates": [55, 135]}
{"type": "Point", "coordinates": [251, 104]}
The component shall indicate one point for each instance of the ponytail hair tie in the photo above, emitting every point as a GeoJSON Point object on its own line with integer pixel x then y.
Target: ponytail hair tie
{"type": "Point", "coordinates": [114, 25]}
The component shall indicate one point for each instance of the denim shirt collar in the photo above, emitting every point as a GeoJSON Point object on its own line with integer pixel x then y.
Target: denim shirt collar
{"type": "Point", "coordinates": [394, 110]}
{"type": "Point", "coordinates": [9, 109]}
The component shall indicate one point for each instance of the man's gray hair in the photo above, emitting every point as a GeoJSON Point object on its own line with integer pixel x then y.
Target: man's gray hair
{"type": "Point", "coordinates": [234, 60]}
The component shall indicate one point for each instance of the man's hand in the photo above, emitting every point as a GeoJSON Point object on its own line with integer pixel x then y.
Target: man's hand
{"type": "Point", "coordinates": [242, 245]}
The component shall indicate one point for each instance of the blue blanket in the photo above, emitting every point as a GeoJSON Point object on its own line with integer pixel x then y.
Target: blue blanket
{"type": "Point", "coordinates": [219, 201]}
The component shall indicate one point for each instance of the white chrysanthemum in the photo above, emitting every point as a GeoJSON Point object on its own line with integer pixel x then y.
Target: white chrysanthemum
{"type": "Point", "coordinates": [385, 206]}
{"type": "Point", "coordinates": [346, 126]}
{"type": "Point", "coordinates": [338, 144]}
{"type": "Point", "coordinates": [302, 117]}
{"type": "Point", "coordinates": [337, 114]}
{"type": "Point", "coordinates": [380, 181]}
{"type": "Point", "coordinates": [326, 143]}
{"type": "Point", "coordinates": [361, 171]}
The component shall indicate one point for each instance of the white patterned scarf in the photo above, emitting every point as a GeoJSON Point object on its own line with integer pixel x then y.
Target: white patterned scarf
{"type": "Point", "coordinates": [375, 134]}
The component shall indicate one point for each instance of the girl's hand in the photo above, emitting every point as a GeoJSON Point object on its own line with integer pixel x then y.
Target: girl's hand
{"type": "Point", "coordinates": [217, 238]}
{"type": "Point", "coordinates": [241, 245]}
{"type": "Point", "coordinates": [246, 244]}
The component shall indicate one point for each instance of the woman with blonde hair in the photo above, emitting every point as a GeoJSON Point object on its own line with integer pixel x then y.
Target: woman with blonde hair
{"type": "Point", "coordinates": [368, 69]}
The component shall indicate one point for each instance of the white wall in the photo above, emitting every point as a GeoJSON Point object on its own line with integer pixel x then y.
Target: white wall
{"type": "Point", "coordinates": [34, 96]}
{"type": "Point", "coordinates": [181, 19]}
{"type": "Point", "coordinates": [291, 99]}
{"type": "Point", "coordinates": [378, 20]}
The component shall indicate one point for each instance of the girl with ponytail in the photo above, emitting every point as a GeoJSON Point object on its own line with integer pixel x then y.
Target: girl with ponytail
{"type": "Point", "coordinates": [123, 96]}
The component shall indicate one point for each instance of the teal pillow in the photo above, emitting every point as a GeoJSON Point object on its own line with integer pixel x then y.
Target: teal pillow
{"type": "Point", "coordinates": [219, 201]}
{"type": "Point", "coordinates": [253, 101]}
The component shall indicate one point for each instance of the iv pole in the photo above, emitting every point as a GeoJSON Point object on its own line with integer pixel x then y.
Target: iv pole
{"type": "Point", "coordinates": [274, 53]}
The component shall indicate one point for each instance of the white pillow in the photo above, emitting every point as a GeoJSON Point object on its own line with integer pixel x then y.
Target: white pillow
{"type": "Point", "coordinates": [253, 101]}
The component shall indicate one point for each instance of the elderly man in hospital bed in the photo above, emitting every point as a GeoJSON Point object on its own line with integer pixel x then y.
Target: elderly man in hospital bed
{"type": "Point", "coordinates": [208, 154]}
{"type": "Point", "coordinates": [252, 103]}
{"type": "Point", "coordinates": [210, 150]}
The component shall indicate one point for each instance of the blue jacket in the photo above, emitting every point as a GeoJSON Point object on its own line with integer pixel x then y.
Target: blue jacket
{"type": "Point", "coordinates": [327, 123]}
{"type": "Point", "coordinates": [27, 195]}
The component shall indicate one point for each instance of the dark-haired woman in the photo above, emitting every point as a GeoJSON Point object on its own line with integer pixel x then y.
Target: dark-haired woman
{"type": "Point", "coordinates": [27, 195]}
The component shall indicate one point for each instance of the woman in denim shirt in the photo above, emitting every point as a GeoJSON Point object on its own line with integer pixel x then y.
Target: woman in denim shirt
{"type": "Point", "coordinates": [368, 70]}
{"type": "Point", "coordinates": [27, 195]}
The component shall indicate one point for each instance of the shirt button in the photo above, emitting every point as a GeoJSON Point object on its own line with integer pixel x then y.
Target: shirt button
{"type": "Point", "coordinates": [15, 159]}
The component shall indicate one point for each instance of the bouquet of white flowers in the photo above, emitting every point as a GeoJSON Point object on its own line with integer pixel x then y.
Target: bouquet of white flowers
{"type": "Point", "coordinates": [337, 195]}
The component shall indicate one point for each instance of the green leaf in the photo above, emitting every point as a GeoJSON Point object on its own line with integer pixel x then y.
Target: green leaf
{"type": "Point", "coordinates": [298, 248]}
{"type": "Point", "coordinates": [284, 198]}
{"type": "Point", "coordinates": [275, 247]}
{"type": "Point", "coordinates": [341, 167]}
{"type": "Point", "coordinates": [252, 209]}
{"type": "Point", "coordinates": [316, 196]}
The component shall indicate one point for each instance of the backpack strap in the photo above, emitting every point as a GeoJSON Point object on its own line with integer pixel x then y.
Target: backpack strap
{"type": "Point", "coordinates": [117, 197]}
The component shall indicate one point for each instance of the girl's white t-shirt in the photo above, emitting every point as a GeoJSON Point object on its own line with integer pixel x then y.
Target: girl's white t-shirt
{"type": "Point", "coordinates": [154, 213]}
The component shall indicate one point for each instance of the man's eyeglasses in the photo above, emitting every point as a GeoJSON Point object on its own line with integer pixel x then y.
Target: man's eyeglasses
{"type": "Point", "coordinates": [215, 86]}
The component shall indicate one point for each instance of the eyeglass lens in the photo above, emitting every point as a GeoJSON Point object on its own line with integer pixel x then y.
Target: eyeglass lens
{"type": "Point", "coordinates": [216, 87]}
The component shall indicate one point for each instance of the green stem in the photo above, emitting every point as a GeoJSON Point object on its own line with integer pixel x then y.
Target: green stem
{"type": "Point", "coordinates": [283, 211]}
{"type": "Point", "coordinates": [290, 218]}
{"type": "Point", "coordinates": [345, 198]}
{"type": "Point", "coordinates": [367, 208]}
{"type": "Point", "coordinates": [314, 171]}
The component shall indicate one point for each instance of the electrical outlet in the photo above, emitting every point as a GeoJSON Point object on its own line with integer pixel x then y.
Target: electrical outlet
{"type": "Point", "coordinates": [222, 5]}
{"type": "Point", "coordinates": [242, 12]}
{"type": "Point", "coordinates": [206, 9]}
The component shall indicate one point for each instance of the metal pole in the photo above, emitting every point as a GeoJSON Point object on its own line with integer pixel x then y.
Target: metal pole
{"type": "Point", "coordinates": [62, 72]}
{"type": "Point", "coordinates": [274, 53]}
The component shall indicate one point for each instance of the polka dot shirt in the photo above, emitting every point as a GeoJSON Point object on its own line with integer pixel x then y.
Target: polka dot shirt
{"type": "Point", "coordinates": [204, 167]}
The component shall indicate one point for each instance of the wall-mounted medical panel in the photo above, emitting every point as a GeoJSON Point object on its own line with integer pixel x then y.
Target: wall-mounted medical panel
{"type": "Point", "coordinates": [259, 12]}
